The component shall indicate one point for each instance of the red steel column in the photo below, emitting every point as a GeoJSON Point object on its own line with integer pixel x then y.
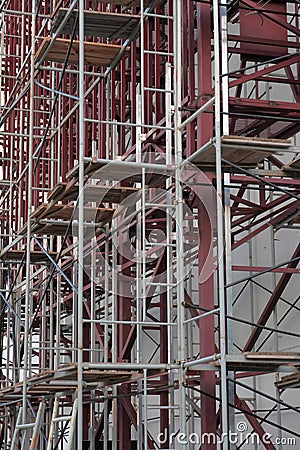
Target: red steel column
{"type": "Point", "coordinates": [124, 313]}
{"type": "Point", "coordinates": [206, 329]}
{"type": "Point", "coordinates": [205, 121]}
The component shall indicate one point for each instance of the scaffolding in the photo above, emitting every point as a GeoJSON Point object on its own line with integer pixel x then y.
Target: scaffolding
{"type": "Point", "coordinates": [149, 160]}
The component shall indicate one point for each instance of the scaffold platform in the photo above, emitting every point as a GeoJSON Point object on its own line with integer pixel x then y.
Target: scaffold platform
{"type": "Point", "coordinates": [98, 24]}
{"type": "Point", "coordinates": [64, 380]}
{"type": "Point", "coordinates": [96, 54]}
{"type": "Point", "coordinates": [243, 151]}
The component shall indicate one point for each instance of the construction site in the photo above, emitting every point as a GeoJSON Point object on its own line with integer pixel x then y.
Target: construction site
{"type": "Point", "coordinates": [150, 223]}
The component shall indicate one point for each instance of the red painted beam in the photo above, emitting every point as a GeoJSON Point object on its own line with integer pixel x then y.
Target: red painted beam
{"type": "Point", "coordinates": [262, 269]}
{"type": "Point", "coordinates": [131, 412]}
{"type": "Point", "coordinates": [252, 181]}
{"type": "Point", "coordinates": [257, 40]}
{"type": "Point", "coordinates": [271, 303]}
{"type": "Point", "coordinates": [204, 121]}
{"type": "Point", "coordinates": [277, 202]}
{"type": "Point", "coordinates": [100, 424]}
{"type": "Point", "coordinates": [259, 73]}
{"type": "Point", "coordinates": [206, 330]}
{"type": "Point", "coordinates": [276, 18]}
{"type": "Point", "coordinates": [264, 106]}
{"type": "Point", "coordinates": [254, 424]}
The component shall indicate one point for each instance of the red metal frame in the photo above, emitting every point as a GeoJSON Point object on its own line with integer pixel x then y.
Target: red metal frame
{"type": "Point", "coordinates": [248, 117]}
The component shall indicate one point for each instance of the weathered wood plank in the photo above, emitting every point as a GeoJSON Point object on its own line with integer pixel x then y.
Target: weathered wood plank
{"type": "Point", "coordinates": [95, 54]}
{"type": "Point", "coordinates": [243, 151]}
{"type": "Point", "coordinates": [98, 24]}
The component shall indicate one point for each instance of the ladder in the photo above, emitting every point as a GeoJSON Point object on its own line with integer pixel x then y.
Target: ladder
{"type": "Point", "coordinates": [56, 419]}
{"type": "Point", "coordinates": [35, 426]}
{"type": "Point", "coordinates": [171, 204]}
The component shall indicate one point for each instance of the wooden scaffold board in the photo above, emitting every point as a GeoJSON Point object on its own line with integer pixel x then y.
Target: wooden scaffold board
{"type": "Point", "coordinates": [98, 24]}
{"type": "Point", "coordinates": [95, 53]}
{"type": "Point", "coordinates": [242, 151]}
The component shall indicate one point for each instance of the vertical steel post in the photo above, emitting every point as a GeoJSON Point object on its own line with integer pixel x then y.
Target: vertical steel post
{"type": "Point", "coordinates": [275, 326]}
{"type": "Point", "coordinates": [220, 227]}
{"type": "Point", "coordinates": [169, 262]}
{"type": "Point", "coordinates": [80, 298]}
{"type": "Point", "coordinates": [114, 350]}
{"type": "Point", "coordinates": [25, 440]}
{"type": "Point", "coordinates": [179, 214]}
{"type": "Point", "coordinates": [139, 260]}
{"type": "Point", "coordinates": [94, 356]}
{"type": "Point", "coordinates": [145, 408]}
{"type": "Point", "coordinates": [57, 340]}
{"type": "Point", "coordinates": [229, 300]}
{"type": "Point", "coordinates": [227, 219]}
{"type": "Point", "coordinates": [106, 337]}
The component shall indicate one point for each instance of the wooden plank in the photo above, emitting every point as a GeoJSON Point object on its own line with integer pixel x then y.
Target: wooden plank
{"type": "Point", "coordinates": [48, 382]}
{"type": "Point", "coordinates": [39, 212]}
{"type": "Point", "coordinates": [56, 192]}
{"type": "Point", "coordinates": [261, 361]}
{"type": "Point", "coordinates": [289, 381]}
{"type": "Point", "coordinates": [275, 356]}
{"type": "Point", "coordinates": [125, 3]}
{"type": "Point", "coordinates": [237, 156]}
{"type": "Point", "coordinates": [98, 24]}
{"type": "Point", "coordinates": [74, 172]}
{"type": "Point", "coordinates": [295, 165]}
{"type": "Point", "coordinates": [108, 195]}
{"type": "Point", "coordinates": [118, 172]}
{"type": "Point", "coordinates": [64, 212]}
{"type": "Point", "coordinates": [35, 256]}
{"type": "Point", "coordinates": [59, 229]}
{"type": "Point", "coordinates": [243, 151]}
{"type": "Point", "coordinates": [92, 193]}
{"type": "Point", "coordinates": [95, 53]}
{"type": "Point", "coordinates": [51, 229]}
{"type": "Point", "coordinates": [256, 141]}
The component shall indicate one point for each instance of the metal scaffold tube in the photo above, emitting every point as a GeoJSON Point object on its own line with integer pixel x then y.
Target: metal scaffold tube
{"type": "Point", "coordinates": [179, 216]}
{"type": "Point", "coordinates": [80, 298]}
{"type": "Point", "coordinates": [28, 294]}
{"type": "Point", "coordinates": [220, 226]}
{"type": "Point", "coordinates": [149, 220]}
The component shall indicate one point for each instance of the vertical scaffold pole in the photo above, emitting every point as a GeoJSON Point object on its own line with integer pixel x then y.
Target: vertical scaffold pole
{"type": "Point", "coordinates": [228, 256]}
{"type": "Point", "coordinates": [169, 267]}
{"type": "Point", "coordinates": [80, 225]}
{"type": "Point", "coordinates": [25, 440]}
{"type": "Point", "coordinates": [179, 212]}
{"type": "Point", "coordinates": [220, 223]}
